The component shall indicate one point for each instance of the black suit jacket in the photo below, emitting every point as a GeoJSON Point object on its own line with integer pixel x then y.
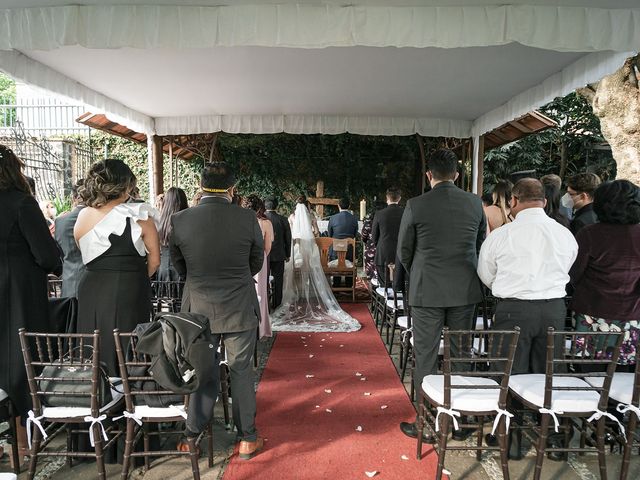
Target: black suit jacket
{"type": "Point", "coordinates": [72, 266]}
{"type": "Point", "coordinates": [219, 247]}
{"type": "Point", "coordinates": [440, 237]}
{"type": "Point", "coordinates": [385, 229]}
{"type": "Point", "coordinates": [281, 246]}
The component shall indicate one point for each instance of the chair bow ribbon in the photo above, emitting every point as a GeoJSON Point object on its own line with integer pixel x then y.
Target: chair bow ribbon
{"type": "Point", "coordinates": [554, 414]}
{"type": "Point", "coordinates": [404, 333]}
{"type": "Point", "coordinates": [31, 418]}
{"type": "Point", "coordinates": [627, 407]}
{"type": "Point", "coordinates": [598, 414]}
{"type": "Point", "coordinates": [507, 418]}
{"type": "Point", "coordinates": [447, 411]}
{"type": "Point", "coordinates": [93, 421]}
{"type": "Point", "coordinates": [132, 416]}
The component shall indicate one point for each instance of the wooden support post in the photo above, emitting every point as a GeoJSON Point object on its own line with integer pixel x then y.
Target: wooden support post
{"type": "Point", "coordinates": [423, 165]}
{"type": "Point", "coordinates": [158, 167]}
{"type": "Point", "coordinates": [320, 194]}
{"type": "Point", "coordinates": [480, 165]}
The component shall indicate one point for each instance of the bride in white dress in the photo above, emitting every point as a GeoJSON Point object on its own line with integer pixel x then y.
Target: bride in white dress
{"type": "Point", "coordinates": [308, 304]}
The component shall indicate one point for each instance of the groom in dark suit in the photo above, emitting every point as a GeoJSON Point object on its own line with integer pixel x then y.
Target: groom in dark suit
{"type": "Point", "coordinates": [440, 237]}
{"type": "Point", "coordinates": [384, 232]}
{"type": "Point", "coordinates": [343, 225]}
{"type": "Point", "coordinates": [280, 248]}
{"type": "Point", "coordinates": [218, 247]}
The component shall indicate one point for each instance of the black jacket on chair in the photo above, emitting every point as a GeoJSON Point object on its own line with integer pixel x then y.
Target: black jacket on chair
{"type": "Point", "coordinates": [385, 229]}
{"type": "Point", "coordinates": [219, 247]}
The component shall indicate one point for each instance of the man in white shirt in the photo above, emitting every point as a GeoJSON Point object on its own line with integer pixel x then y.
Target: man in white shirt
{"type": "Point", "coordinates": [526, 265]}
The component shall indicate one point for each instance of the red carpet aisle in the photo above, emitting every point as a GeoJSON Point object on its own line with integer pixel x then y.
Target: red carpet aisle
{"type": "Point", "coordinates": [329, 405]}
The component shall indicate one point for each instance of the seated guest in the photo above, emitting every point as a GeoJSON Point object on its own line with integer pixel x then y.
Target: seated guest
{"type": "Point", "coordinates": [606, 274]}
{"type": "Point", "coordinates": [343, 225]}
{"type": "Point", "coordinates": [27, 254]}
{"type": "Point", "coordinates": [499, 212]}
{"type": "Point", "coordinates": [386, 226]}
{"type": "Point", "coordinates": [579, 197]}
{"type": "Point", "coordinates": [174, 201]}
{"type": "Point", "coordinates": [526, 265]}
{"type": "Point", "coordinates": [72, 266]}
{"type": "Point", "coordinates": [120, 249]}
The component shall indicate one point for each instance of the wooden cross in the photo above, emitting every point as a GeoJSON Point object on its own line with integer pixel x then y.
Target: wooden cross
{"type": "Point", "coordinates": [319, 201]}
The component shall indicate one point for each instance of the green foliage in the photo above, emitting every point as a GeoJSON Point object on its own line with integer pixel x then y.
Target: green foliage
{"type": "Point", "coordinates": [7, 97]}
{"type": "Point", "coordinates": [578, 133]}
{"type": "Point", "coordinates": [62, 204]}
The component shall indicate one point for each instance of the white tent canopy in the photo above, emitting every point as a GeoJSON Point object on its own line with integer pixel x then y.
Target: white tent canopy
{"type": "Point", "coordinates": [454, 68]}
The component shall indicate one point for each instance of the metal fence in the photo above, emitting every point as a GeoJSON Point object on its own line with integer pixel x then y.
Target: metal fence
{"type": "Point", "coordinates": [42, 117]}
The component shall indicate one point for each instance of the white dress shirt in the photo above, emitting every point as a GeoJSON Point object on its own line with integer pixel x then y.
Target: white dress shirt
{"type": "Point", "coordinates": [529, 258]}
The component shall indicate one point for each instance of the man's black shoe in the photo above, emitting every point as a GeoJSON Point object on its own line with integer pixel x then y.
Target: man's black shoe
{"type": "Point", "coordinates": [410, 430]}
{"type": "Point", "coordinates": [462, 434]}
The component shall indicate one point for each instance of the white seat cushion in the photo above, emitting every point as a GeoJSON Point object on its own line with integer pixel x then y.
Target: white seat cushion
{"type": "Point", "coordinates": [334, 264]}
{"type": "Point", "coordinates": [403, 321]}
{"type": "Point", "coordinates": [145, 411]}
{"type": "Point", "coordinates": [374, 282]}
{"type": "Point", "coordinates": [621, 386]}
{"type": "Point", "coordinates": [8, 476]}
{"type": "Point", "coordinates": [3, 395]}
{"type": "Point", "coordinates": [471, 400]}
{"type": "Point", "coordinates": [531, 388]}
{"type": "Point", "coordinates": [389, 292]}
{"type": "Point", "coordinates": [399, 303]}
{"type": "Point", "coordinates": [480, 323]}
{"type": "Point", "coordinates": [72, 412]}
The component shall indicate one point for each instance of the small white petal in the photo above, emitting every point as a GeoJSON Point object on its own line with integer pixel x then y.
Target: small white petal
{"type": "Point", "coordinates": [328, 410]}
{"type": "Point", "coordinates": [358, 374]}
{"type": "Point", "coordinates": [303, 338]}
{"type": "Point", "coordinates": [317, 406]}
{"type": "Point", "coordinates": [321, 346]}
{"type": "Point", "coordinates": [359, 428]}
{"type": "Point", "coordinates": [341, 346]}
{"type": "Point", "coordinates": [310, 376]}
{"type": "Point", "coordinates": [382, 407]}
{"type": "Point", "coordinates": [367, 394]}
{"type": "Point", "coordinates": [446, 472]}
{"type": "Point", "coordinates": [322, 340]}
{"type": "Point", "coordinates": [404, 457]}
{"type": "Point", "coordinates": [371, 474]}
{"type": "Point", "coordinates": [311, 356]}
{"type": "Point", "coordinates": [362, 379]}
{"type": "Point", "coordinates": [327, 390]}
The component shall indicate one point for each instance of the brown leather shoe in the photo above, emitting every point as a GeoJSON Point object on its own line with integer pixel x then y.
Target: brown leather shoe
{"type": "Point", "coordinates": [249, 449]}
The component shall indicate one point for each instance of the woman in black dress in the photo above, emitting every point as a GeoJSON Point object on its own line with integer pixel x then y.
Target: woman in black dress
{"type": "Point", "coordinates": [120, 248]}
{"type": "Point", "coordinates": [27, 254]}
{"type": "Point", "coordinates": [174, 201]}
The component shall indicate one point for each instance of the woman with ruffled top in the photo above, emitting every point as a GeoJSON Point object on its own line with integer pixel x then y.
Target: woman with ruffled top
{"type": "Point", "coordinates": [121, 250]}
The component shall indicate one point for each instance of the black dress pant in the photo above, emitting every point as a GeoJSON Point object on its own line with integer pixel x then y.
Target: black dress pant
{"type": "Point", "coordinates": [277, 270]}
{"type": "Point", "coordinates": [533, 317]}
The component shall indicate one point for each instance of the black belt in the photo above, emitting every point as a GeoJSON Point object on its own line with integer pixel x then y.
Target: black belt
{"type": "Point", "coordinates": [542, 300]}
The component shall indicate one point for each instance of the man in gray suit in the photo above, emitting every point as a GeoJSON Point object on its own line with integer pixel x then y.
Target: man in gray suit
{"type": "Point", "coordinates": [218, 247]}
{"type": "Point", "coordinates": [72, 266]}
{"type": "Point", "coordinates": [440, 236]}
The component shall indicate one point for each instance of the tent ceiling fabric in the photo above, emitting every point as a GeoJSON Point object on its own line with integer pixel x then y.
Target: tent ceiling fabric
{"type": "Point", "coordinates": [314, 67]}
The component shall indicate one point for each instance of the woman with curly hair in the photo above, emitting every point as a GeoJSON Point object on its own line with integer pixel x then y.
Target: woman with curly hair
{"type": "Point", "coordinates": [255, 203]}
{"type": "Point", "coordinates": [606, 274]}
{"type": "Point", "coordinates": [28, 253]}
{"type": "Point", "coordinates": [120, 248]}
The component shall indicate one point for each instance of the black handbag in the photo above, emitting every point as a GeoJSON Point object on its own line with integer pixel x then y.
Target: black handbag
{"type": "Point", "coordinates": [72, 385]}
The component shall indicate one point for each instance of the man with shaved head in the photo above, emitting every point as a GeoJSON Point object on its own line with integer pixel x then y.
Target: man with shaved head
{"type": "Point", "coordinates": [526, 265]}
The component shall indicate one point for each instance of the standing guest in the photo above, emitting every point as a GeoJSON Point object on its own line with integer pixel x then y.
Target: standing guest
{"type": "Point", "coordinates": [120, 249]}
{"type": "Point", "coordinates": [487, 200]}
{"type": "Point", "coordinates": [386, 226]}
{"type": "Point", "coordinates": [579, 197]}
{"type": "Point", "coordinates": [253, 202]}
{"type": "Point", "coordinates": [49, 211]}
{"type": "Point", "coordinates": [219, 247]}
{"type": "Point", "coordinates": [499, 213]}
{"type": "Point", "coordinates": [552, 208]}
{"type": "Point", "coordinates": [556, 181]}
{"type": "Point", "coordinates": [606, 274]}
{"type": "Point", "coordinates": [174, 201]}
{"type": "Point", "coordinates": [280, 249]}
{"type": "Point", "coordinates": [526, 265]}
{"type": "Point", "coordinates": [72, 266]}
{"type": "Point", "coordinates": [369, 246]}
{"type": "Point", "coordinates": [27, 254]}
{"type": "Point", "coordinates": [343, 225]}
{"type": "Point", "coordinates": [440, 235]}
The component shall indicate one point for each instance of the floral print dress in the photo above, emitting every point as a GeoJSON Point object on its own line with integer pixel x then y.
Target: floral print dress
{"type": "Point", "coordinates": [631, 329]}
